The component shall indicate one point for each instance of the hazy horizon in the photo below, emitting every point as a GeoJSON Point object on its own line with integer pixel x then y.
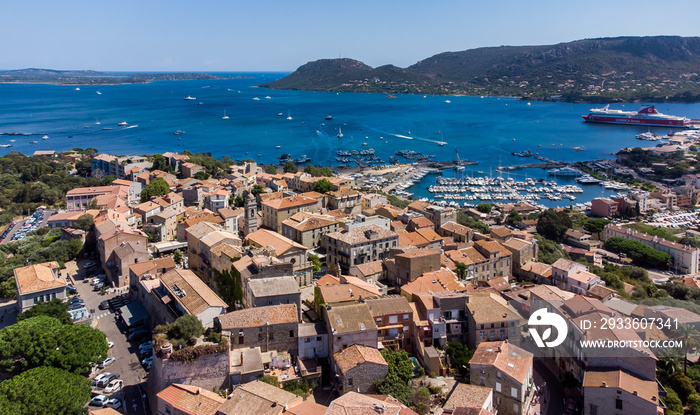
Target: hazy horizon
{"type": "Point", "coordinates": [280, 36]}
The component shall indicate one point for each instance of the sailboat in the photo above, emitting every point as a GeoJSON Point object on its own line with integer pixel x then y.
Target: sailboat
{"type": "Point", "coordinates": [458, 162]}
{"type": "Point", "coordinates": [225, 117]}
{"type": "Point", "coordinates": [340, 133]}
{"type": "Point", "coordinates": [97, 121]}
{"type": "Point", "coordinates": [289, 117]}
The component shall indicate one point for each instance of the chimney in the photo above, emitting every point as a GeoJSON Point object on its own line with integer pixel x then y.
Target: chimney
{"type": "Point", "coordinates": [635, 393]}
{"type": "Point", "coordinates": [199, 390]}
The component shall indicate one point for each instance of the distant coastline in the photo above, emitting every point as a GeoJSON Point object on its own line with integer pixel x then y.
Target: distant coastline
{"type": "Point", "coordinates": [86, 77]}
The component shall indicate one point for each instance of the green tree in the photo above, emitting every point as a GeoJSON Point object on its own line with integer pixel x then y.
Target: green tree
{"type": "Point", "coordinates": [674, 406]}
{"type": "Point", "coordinates": [682, 385]}
{"type": "Point", "coordinates": [257, 189]}
{"type": "Point", "coordinates": [459, 355]}
{"type": "Point", "coordinates": [55, 308]}
{"type": "Point", "coordinates": [44, 390]}
{"type": "Point", "coordinates": [316, 262]}
{"type": "Point", "coordinates": [107, 180]}
{"type": "Point", "coordinates": [461, 269]}
{"type": "Point", "coordinates": [421, 400]}
{"type": "Point", "coordinates": [638, 252]}
{"type": "Point", "coordinates": [270, 169]}
{"type": "Point", "coordinates": [290, 167]}
{"type": "Point", "coordinates": [84, 222]}
{"type": "Point", "coordinates": [550, 251]}
{"type": "Point", "coordinates": [514, 217]}
{"type": "Point", "coordinates": [553, 224]}
{"type": "Point", "coordinates": [471, 222]}
{"type": "Point", "coordinates": [186, 327]}
{"type": "Point", "coordinates": [595, 226]}
{"type": "Point", "coordinates": [270, 380]}
{"type": "Point", "coordinates": [323, 186]}
{"type": "Point", "coordinates": [93, 204]}
{"type": "Point", "coordinates": [691, 338]}
{"type": "Point", "coordinates": [177, 257]}
{"type": "Point", "coordinates": [400, 373]}
{"type": "Point", "coordinates": [45, 341]}
{"type": "Point", "coordinates": [238, 202]}
{"type": "Point", "coordinates": [484, 207]}
{"type": "Point", "coordinates": [157, 187]}
{"type": "Point", "coordinates": [202, 175]}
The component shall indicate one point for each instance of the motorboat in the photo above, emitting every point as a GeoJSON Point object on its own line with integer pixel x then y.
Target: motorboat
{"type": "Point", "coordinates": [189, 98]}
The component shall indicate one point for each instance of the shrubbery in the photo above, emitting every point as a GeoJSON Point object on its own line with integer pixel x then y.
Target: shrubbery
{"type": "Point", "coordinates": [638, 252]}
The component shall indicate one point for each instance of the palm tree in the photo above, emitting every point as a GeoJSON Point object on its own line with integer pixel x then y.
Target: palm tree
{"type": "Point", "coordinates": [690, 337]}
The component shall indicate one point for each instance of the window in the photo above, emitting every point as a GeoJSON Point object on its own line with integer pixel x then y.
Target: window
{"type": "Point", "coordinates": [393, 319]}
{"type": "Point", "coordinates": [498, 386]}
{"type": "Point", "coordinates": [498, 374]}
{"type": "Point", "coordinates": [167, 410]}
{"type": "Point", "coordinates": [319, 338]}
{"type": "Point", "coordinates": [272, 336]}
{"type": "Point", "coordinates": [259, 337]}
{"type": "Point", "coordinates": [515, 408]}
{"type": "Point", "coordinates": [593, 409]}
{"type": "Point", "coordinates": [618, 403]}
{"type": "Point", "coordinates": [514, 392]}
{"type": "Point", "coordinates": [349, 381]}
{"type": "Point", "coordinates": [379, 320]}
{"type": "Point", "coordinates": [481, 335]}
{"type": "Point", "coordinates": [291, 333]}
{"type": "Point", "coordinates": [405, 316]}
{"type": "Point", "coordinates": [307, 340]}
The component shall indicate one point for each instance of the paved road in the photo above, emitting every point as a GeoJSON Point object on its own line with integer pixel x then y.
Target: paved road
{"type": "Point", "coordinates": [20, 223]}
{"type": "Point", "coordinates": [128, 361]}
{"type": "Point", "coordinates": [553, 398]}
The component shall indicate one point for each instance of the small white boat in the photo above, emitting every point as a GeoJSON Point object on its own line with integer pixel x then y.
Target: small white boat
{"type": "Point", "coordinates": [77, 89]}
{"type": "Point", "coordinates": [364, 144]}
{"type": "Point", "coordinates": [447, 101]}
{"type": "Point", "coordinates": [256, 99]}
{"type": "Point", "coordinates": [340, 133]}
{"type": "Point", "coordinates": [45, 137]}
{"type": "Point", "coordinates": [279, 114]}
{"type": "Point", "coordinates": [33, 142]}
{"type": "Point", "coordinates": [189, 98]}
{"type": "Point", "coordinates": [12, 141]}
{"type": "Point", "coordinates": [122, 124]}
{"type": "Point", "coordinates": [225, 117]}
{"type": "Point", "coordinates": [99, 93]}
{"type": "Point", "coordinates": [278, 147]}
{"type": "Point", "coordinates": [528, 104]}
{"type": "Point", "coordinates": [5, 145]}
{"type": "Point", "coordinates": [268, 97]}
{"type": "Point", "coordinates": [97, 121]}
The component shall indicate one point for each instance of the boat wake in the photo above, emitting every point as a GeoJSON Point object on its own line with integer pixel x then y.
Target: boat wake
{"type": "Point", "coordinates": [421, 139]}
{"type": "Point", "coordinates": [131, 126]}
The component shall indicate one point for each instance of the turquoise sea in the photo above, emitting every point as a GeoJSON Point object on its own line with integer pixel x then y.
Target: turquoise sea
{"type": "Point", "coordinates": [486, 129]}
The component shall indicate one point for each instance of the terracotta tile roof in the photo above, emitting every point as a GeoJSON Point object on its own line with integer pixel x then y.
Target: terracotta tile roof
{"type": "Point", "coordinates": [289, 202]}
{"type": "Point", "coordinates": [565, 264]}
{"type": "Point", "coordinates": [417, 253]}
{"type": "Point", "coordinates": [306, 408]}
{"type": "Point", "coordinates": [488, 308]}
{"type": "Point", "coordinates": [306, 221]}
{"type": "Point", "coordinates": [513, 361]}
{"type": "Point", "coordinates": [471, 411]}
{"type": "Point", "coordinates": [411, 239]}
{"type": "Point", "coordinates": [343, 192]}
{"type": "Point", "coordinates": [422, 285]}
{"type": "Point", "coordinates": [197, 295]}
{"type": "Point", "coordinates": [202, 229]}
{"type": "Point", "coordinates": [455, 227]}
{"type": "Point", "coordinates": [353, 403]}
{"type": "Point", "coordinates": [38, 277]}
{"type": "Point", "coordinates": [142, 268]}
{"type": "Point", "coordinates": [191, 400]}
{"type": "Point", "coordinates": [619, 379]}
{"type": "Point", "coordinates": [583, 277]}
{"type": "Point", "coordinates": [362, 234]}
{"type": "Point", "coordinates": [466, 256]}
{"type": "Point", "coordinates": [370, 268]}
{"type": "Point", "coordinates": [258, 316]}
{"type": "Point", "coordinates": [516, 243]}
{"type": "Point", "coordinates": [429, 234]}
{"type": "Point", "coordinates": [259, 398]}
{"type": "Point", "coordinates": [267, 287]}
{"type": "Point", "coordinates": [341, 293]}
{"type": "Point", "coordinates": [493, 246]}
{"type": "Point", "coordinates": [388, 305]}
{"type": "Point", "coordinates": [580, 305]}
{"type": "Point", "coordinates": [229, 213]}
{"type": "Point", "coordinates": [498, 284]}
{"type": "Point", "coordinates": [469, 396]}
{"type": "Point", "coordinates": [501, 232]}
{"type": "Point", "coordinates": [147, 206]}
{"type": "Point", "coordinates": [350, 318]}
{"type": "Point", "coordinates": [264, 238]}
{"type": "Point", "coordinates": [418, 205]}
{"type": "Point", "coordinates": [356, 355]}
{"type": "Point", "coordinates": [312, 195]}
{"type": "Point", "coordinates": [327, 279]}
{"type": "Point", "coordinates": [103, 411]}
{"type": "Point", "coordinates": [422, 222]}
{"type": "Point", "coordinates": [538, 268]}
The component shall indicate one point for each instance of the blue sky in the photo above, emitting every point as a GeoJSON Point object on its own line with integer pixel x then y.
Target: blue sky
{"type": "Point", "coordinates": [276, 35]}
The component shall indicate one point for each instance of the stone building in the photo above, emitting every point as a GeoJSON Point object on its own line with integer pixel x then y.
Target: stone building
{"type": "Point", "coordinates": [350, 324]}
{"type": "Point", "coordinates": [359, 245]}
{"type": "Point", "coordinates": [357, 367]}
{"type": "Point", "coordinates": [270, 327]}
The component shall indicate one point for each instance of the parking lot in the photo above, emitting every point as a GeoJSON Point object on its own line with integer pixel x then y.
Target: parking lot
{"type": "Point", "coordinates": [127, 359]}
{"type": "Point", "coordinates": [675, 219]}
{"type": "Point", "coordinates": [19, 229]}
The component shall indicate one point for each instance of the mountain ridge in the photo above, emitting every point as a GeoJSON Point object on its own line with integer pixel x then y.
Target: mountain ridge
{"type": "Point", "coordinates": [602, 69]}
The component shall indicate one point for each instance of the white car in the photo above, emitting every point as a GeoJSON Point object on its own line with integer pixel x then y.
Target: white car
{"type": "Point", "coordinates": [113, 403]}
{"type": "Point", "coordinates": [110, 344]}
{"type": "Point", "coordinates": [99, 377]}
{"type": "Point", "coordinates": [108, 361]}
{"type": "Point", "coordinates": [114, 386]}
{"type": "Point", "coordinates": [99, 400]}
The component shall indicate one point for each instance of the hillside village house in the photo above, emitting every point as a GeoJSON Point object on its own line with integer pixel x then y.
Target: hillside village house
{"type": "Point", "coordinates": [286, 250]}
{"type": "Point", "coordinates": [38, 283]}
{"type": "Point", "coordinates": [275, 212]}
{"type": "Point", "coordinates": [359, 245]}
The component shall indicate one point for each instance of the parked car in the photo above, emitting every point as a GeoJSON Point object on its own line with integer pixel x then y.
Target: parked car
{"type": "Point", "coordinates": [108, 361]}
{"type": "Point", "coordinates": [147, 361]}
{"type": "Point", "coordinates": [99, 286]}
{"type": "Point", "coordinates": [99, 400]}
{"type": "Point", "coordinates": [147, 351]}
{"type": "Point", "coordinates": [99, 377]}
{"type": "Point", "coordinates": [71, 289]}
{"type": "Point", "coordinates": [138, 335]}
{"type": "Point", "coordinates": [114, 386]}
{"type": "Point", "coordinates": [113, 403]}
{"type": "Point", "coordinates": [103, 305]}
{"type": "Point", "coordinates": [90, 265]}
{"type": "Point", "coordinates": [110, 345]}
{"type": "Point", "coordinates": [106, 381]}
